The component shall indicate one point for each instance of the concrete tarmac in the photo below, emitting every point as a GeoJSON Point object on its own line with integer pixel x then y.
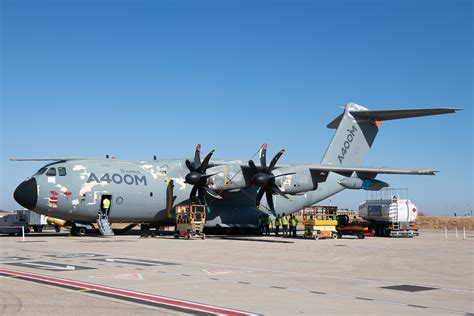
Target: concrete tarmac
{"type": "Point", "coordinates": [425, 275]}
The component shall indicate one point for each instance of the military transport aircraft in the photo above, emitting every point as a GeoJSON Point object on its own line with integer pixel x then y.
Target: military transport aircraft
{"type": "Point", "coordinates": [74, 189]}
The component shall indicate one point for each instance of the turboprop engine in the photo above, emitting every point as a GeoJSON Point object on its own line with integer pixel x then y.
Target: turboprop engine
{"type": "Point", "coordinates": [298, 182]}
{"type": "Point", "coordinates": [226, 177]}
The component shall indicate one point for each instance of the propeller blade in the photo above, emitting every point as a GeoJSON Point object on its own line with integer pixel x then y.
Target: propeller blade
{"type": "Point", "coordinates": [253, 166]}
{"type": "Point", "coordinates": [212, 193]}
{"type": "Point", "coordinates": [283, 174]}
{"type": "Point", "coordinates": [202, 195]}
{"type": "Point", "coordinates": [263, 157]}
{"type": "Point", "coordinates": [206, 161]}
{"type": "Point", "coordinates": [190, 165]}
{"type": "Point", "coordinates": [260, 193]}
{"type": "Point", "coordinates": [277, 190]}
{"type": "Point", "coordinates": [197, 156]}
{"type": "Point", "coordinates": [192, 195]}
{"type": "Point", "coordinates": [269, 195]}
{"type": "Point", "coordinates": [209, 175]}
{"type": "Point", "coordinates": [275, 160]}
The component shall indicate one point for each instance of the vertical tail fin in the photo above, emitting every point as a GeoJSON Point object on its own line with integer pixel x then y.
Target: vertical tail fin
{"type": "Point", "coordinates": [352, 140]}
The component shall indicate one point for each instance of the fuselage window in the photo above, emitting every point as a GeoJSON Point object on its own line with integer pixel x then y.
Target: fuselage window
{"type": "Point", "coordinates": [51, 172]}
{"type": "Point", "coordinates": [62, 171]}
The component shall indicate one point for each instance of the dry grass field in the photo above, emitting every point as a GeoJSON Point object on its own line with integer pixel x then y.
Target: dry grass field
{"type": "Point", "coordinates": [440, 222]}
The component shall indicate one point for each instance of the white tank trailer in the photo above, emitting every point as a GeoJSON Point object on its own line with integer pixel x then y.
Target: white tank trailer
{"type": "Point", "coordinates": [389, 214]}
{"type": "Point", "coordinates": [11, 223]}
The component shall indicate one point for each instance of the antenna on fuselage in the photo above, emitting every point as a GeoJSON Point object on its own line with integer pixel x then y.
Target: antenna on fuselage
{"type": "Point", "coordinates": [107, 156]}
{"type": "Point", "coordinates": [154, 157]}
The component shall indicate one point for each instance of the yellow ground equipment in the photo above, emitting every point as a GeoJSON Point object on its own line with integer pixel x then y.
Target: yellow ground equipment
{"type": "Point", "coordinates": [56, 222]}
{"type": "Point", "coordinates": [320, 222]}
{"type": "Point", "coordinates": [190, 220]}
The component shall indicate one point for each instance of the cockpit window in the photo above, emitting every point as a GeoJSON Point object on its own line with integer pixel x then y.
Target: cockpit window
{"type": "Point", "coordinates": [51, 172]}
{"type": "Point", "coordinates": [41, 171]}
{"type": "Point", "coordinates": [62, 171]}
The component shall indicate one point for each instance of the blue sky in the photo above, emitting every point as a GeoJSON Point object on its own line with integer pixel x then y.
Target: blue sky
{"type": "Point", "coordinates": [138, 78]}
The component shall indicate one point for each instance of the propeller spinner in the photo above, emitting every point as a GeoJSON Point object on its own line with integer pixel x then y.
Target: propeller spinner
{"type": "Point", "coordinates": [265, 179]}
{"type": "Point", "coordinates": [197, 176]}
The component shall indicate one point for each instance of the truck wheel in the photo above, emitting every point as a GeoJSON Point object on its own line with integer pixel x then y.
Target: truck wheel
{"type": "Point", "coordinates": [81, 231]}
{"type": "Point", "coordinates": [361, 236]}
{"type": "Point", "coordinates": [57, 229]}
{"type": "Point", "coordinates": [316, 237]}
{"type": "Point", "coordinates": [176, 236]}
{"type": "Point", "coordinates": [189, 236]}
{"type": "Point", "coordinates": [334, 236]}
{"type": "Point", "coordinates": [203, 236]}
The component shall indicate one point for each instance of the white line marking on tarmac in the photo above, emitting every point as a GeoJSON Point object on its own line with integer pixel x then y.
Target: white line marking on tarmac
{"type": "Point", "coordinates": [50, 267]}
{"type": "Point", "coordinates": [269, 270]}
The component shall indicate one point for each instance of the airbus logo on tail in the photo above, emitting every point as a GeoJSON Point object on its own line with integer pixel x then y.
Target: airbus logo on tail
{"type": "Point", "coordinates": [347, 144]}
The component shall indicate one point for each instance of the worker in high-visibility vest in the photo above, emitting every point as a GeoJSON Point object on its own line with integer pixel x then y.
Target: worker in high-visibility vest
{"type": "Point", "coordinates": [277, 224]}
{"type": "Point", "coordinates": [290, 230]}
{"type": "Point", "coordinates": [266, 224]}
{"type": "Point", "coordinates": [105, 207]}
{"type": "Point", "coordinates": [284, 224]}
{"type": "Point", "coordinates": [293, 224]}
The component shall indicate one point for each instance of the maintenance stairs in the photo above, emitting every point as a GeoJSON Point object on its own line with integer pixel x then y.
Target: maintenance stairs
{"type": "Point", "coordinates": [104, 225]}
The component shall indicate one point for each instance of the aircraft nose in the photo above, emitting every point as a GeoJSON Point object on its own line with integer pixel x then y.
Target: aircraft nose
{"type": "Point", "coordinates": [26, 194]}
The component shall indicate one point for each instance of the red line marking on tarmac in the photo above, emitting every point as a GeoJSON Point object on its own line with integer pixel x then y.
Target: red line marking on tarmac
{"type": "Point", "coordinates": [130, 294]}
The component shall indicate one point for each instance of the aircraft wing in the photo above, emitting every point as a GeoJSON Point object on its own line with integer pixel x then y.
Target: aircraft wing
{"type": "Point", "coordinates": [49, 159]}
{"type": "Point", "coordinates": [370, 172]}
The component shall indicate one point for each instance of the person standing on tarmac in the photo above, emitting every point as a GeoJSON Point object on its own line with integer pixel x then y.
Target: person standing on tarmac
{"type": "Point", "coordinates": [290, 233]}
{"type": "Point", "coordinates": [277, 225]}
{"type": "Point", "coordinates": [267, 225]}
{"type": "Point", "coordinates": [294, 224]}
{"type": "Point", "coordinates": [260, 224]}
{"type": "Point", "coordinates": [284, 224]}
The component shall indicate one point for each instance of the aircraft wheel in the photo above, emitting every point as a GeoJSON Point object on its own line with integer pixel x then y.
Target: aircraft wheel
{"type": "Point", "coordinates": [81, 231]}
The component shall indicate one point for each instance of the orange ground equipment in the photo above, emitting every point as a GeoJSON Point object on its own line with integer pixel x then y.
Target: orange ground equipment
{"type": "Point", "coordinates": [345, 227]}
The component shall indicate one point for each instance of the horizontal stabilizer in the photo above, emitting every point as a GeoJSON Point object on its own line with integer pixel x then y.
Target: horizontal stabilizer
{"type": "Point", "coordinates": [385, 115]}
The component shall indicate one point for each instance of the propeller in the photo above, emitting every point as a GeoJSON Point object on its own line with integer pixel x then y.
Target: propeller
{"type": "Point", "coordinates": [265, 179]}
{"type": "Point", "coordinates": [197, 176]}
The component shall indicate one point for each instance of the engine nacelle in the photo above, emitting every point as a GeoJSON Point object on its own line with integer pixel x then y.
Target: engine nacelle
{"type": "Point", "coordinates": [227, 177]}
{"type": "Point", "coordinates": [299, 182]}
{"type": "Point", "coordinates": [364, 184]}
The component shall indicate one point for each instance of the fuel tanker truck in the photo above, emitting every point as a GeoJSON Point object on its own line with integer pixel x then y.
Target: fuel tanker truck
{"type": "Point", "coordinates": [390, 215]}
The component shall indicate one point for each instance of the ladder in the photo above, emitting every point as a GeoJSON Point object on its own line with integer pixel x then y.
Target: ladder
{"type": "Point", "coordinates": [393, 212]}
{"type": "Point", "coordinates": [104, 224]}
